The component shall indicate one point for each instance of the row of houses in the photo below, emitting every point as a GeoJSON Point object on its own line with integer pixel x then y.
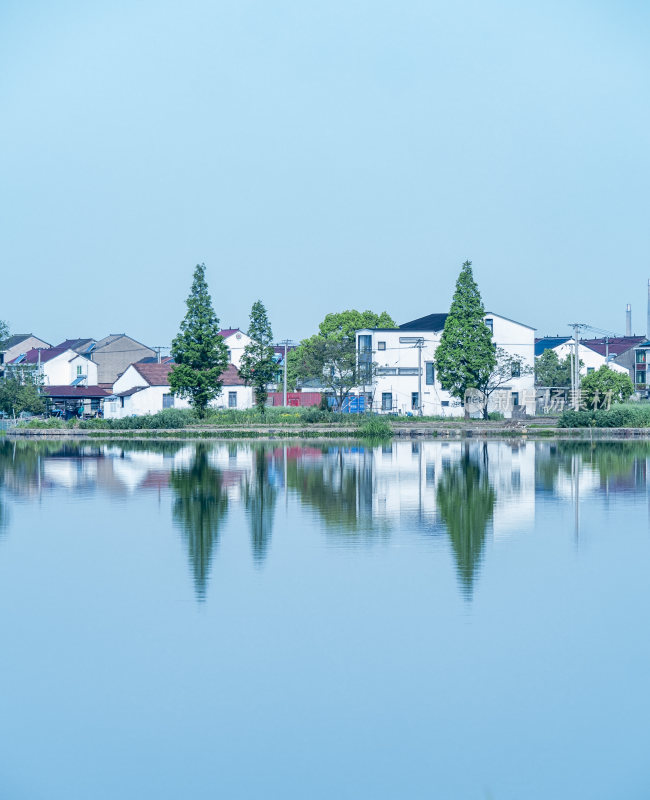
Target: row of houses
{"type": "Point", "coordinates": [119, 376]}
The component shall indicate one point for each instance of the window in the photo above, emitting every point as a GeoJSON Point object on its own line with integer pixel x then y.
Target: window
{"type": "Point", "coordinates": [640, 357]}
{"type": "Point", "coordinates": [408, 371]}
{"type": "Point", "coordinates": [229, 355]}
{"type": "Point", "coordinates": [381, 345]}
{"type": "Point", "coordinates": [365, 343]}
{"type": "Point", "coordinates": [232, 399]}
{"type": "Point", "coordinates": [79, 370]}
{"type": "Point", "coordinates": [386, 370]}
{"type": "Point", "coordinates": [516, 369]}
{"type": "Point", "coordinates": [640, 377]}
{"type": "Point", "coordinates": [430, 373]}
{"type": "Point", "coordinates": [490, 324]}
{"type": "Point", "coordinates": [590, 370]}
{"type": "Point", "coordinates": [515, 398]}
{"type": "Point", "coordinates": [168, 401]}
{"type": "Point", "coordinates": [415, 401]}
{"type": "Point", "coordinates": [386, 401]}
{"type": "Point", "coordinates": [445, 403]}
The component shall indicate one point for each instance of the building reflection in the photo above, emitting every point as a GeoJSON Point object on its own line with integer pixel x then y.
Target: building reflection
{"type": "Point", "coordinates": [462, 492]}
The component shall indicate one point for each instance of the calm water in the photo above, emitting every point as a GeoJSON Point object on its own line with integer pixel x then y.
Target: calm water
{"type": "Point", "coordinates": [408, 621]}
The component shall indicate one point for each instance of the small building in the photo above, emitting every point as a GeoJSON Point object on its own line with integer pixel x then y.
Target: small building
{"type": "Point", "coordinates": [144, 389]}
{"type": "Point", "coordinates": [58, 367]}
{"type": "Point", "coordinates": [18, 344]}
{"type": "Point", "coordinates": [74, 401]}
{"type": "Point", "coordinates": [114, 353]}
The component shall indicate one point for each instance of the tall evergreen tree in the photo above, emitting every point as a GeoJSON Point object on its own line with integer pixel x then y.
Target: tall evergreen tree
{"type": "Point", "coordinates": [257, 366]}
{"type": "Point", "coordinates": [466, 351]}
{"type": "Point", "coordinates": [199, 351]}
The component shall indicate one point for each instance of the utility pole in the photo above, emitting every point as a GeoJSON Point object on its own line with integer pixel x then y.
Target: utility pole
{"type": "Point", "coordinates": [575, 372]}
{"type": "Point", "coordinates": [285, 343]}
{"type": "Point", "coordinates": [419, 346]}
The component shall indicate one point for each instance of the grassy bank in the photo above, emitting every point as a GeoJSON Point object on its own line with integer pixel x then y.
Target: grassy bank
{"type": "Point", "coordinates": [623, 415]}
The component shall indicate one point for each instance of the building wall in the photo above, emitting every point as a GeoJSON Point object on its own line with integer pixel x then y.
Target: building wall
{"type": "Point", "coordinates": [400, 357]}
{"type": "Point", "coordinates": [113, 358]}
{"type": "Point", "coordinates": [236, 343]}
{"type": "Point", "coordinates": [62, 370]}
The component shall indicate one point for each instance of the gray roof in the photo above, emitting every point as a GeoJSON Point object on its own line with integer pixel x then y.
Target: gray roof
{"type": "Point", "coordinates": [16, 339]}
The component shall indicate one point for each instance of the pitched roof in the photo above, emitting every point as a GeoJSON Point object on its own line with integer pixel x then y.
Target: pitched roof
{"type": "Point", "coordinates": [158, 374]}
{"type": "Point", "coordinates": [78, 345]}
{"type": "Point", "coordinates": [226, 332]}
{"type": "Point", "coordinates": [75, 391]}
{"type": "Point", "coordinates": [15, 340]}
{"type": "Point", "coordinates": [432, 322]}
{"type": "Point", "coordinates": [114, 336]}
{"type": "Point", "coordinates": [32, 356]}
{"type": "Point", "coordinates": [615, 344]}
{"type": "Point", "coordinates": [548, 343]}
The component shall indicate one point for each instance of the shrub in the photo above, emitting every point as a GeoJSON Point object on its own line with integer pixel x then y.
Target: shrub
{"type": "Point", "coordinates": [376, 428]}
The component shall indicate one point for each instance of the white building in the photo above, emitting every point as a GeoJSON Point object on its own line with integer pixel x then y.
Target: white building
{"type": "Point", "coordinates": [236, 341]}
{"type": "Point", "coordinates": [404, 376]}
{"type": "Point", "coordinates": [590, 359]}
{"type": "Point", "coordinates": [58, 366]}
{"type": "Point", "coordinates": [145, 389]}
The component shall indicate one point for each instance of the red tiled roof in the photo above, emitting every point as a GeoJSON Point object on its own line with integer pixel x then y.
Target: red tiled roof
{"type": "Point", "coordinates": [617, 344]}
{"type": "Point", "coordinates": [226, 332]}
{"type": "Point", "coordinates": [31, 356]}
{"type": "Point", "coordinates": [158, 374]}
{"type": "Point", "coordinates": [75, 391]}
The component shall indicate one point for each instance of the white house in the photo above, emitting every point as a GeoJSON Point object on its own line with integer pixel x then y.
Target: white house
{"type": "Point", "coordinates": [236, 341]}
{"type": "Point", "coordinates": [144, 389]}
{"type": "Point", "coordinates": [58, 366]}
{"type": "Point", "coordinates": [404, 377]}
{"type": "Point", "coordinates": [591, 360]}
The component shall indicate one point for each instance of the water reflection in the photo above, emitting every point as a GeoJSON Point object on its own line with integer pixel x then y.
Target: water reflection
{"type": "Point", "coordinates": [199, 509]}
{"type": "Point", "coordinates": [462, 493]}
{"type": "Point", "coordinates": [260, 494]}
{"type": "Point", "coordinates": [466, 502]}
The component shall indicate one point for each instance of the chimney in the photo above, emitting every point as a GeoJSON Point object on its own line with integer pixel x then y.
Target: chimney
{"type": "Point", "coordinates": [628, 320]}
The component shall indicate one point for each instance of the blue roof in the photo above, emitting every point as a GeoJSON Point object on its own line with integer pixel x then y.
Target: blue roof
{"type": "Point", "coordinates": [548, 343]}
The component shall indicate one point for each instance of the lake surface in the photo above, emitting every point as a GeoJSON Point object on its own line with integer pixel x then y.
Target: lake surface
{"type": "Point", "coordinates": [415, 620]}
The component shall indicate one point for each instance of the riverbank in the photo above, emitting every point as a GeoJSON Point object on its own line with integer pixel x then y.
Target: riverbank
{"type": "Point", "coordinates": [479, 429]}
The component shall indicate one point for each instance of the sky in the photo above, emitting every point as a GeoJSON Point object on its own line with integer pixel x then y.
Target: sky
{"type": "Point", "coordinates": [319, 157]}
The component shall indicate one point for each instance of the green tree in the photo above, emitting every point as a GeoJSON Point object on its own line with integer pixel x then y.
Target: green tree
{"type": "Point", "coordinates": [199, 510]}
{"type": "Point", "coordinates": [199, 351]}
{"type": "Point", "coordinates": [466, 352]}
{"type": "Point", "coordinates": [4, 332]}
{"type": "Point", "coordinates": [599, 389]}
{"type": "Point", "coordinates": [20, 391]}
{"type": "Point", "coordinates": [466, 502]}
{"type": "Point", "coordinates": [258, 366]}
{"type": "Point", "coordinates": [493, 379]}
{"type": "Point", "coordinates": [330, 357]}
{"type": "Point", "coordinates": [551, 371]}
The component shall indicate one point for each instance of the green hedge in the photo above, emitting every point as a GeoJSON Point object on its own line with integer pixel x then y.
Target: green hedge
{"type": "Point", "coordinates": [630, 415]}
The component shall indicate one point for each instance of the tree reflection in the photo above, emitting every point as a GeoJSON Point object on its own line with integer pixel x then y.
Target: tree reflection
{"type": "Point", "coordinates": [199, 510]}
{"type": "Point", "coordinates": [466, 500]}
{"type": "Point", "coordinates": [339, 490]}
{"type": "Point", "coordinates": [260, 495]}
{"type": "Point", "coordinates": [619, 465]}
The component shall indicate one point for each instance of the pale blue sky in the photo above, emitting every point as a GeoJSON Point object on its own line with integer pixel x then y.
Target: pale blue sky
{"type": "Point", "coordinates": [321, 156]}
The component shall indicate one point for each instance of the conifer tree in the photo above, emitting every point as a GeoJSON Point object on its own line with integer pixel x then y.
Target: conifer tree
{"type": "Point", "coordinates": [257, 366]}
{"type": "Point", "coordinates": [199, 351]}
{"type": "Point", "coordinates": [466, 352]}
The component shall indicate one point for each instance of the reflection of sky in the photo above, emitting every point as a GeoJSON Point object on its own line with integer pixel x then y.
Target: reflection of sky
{"type": "Point", "coordinates": [367, 659]}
